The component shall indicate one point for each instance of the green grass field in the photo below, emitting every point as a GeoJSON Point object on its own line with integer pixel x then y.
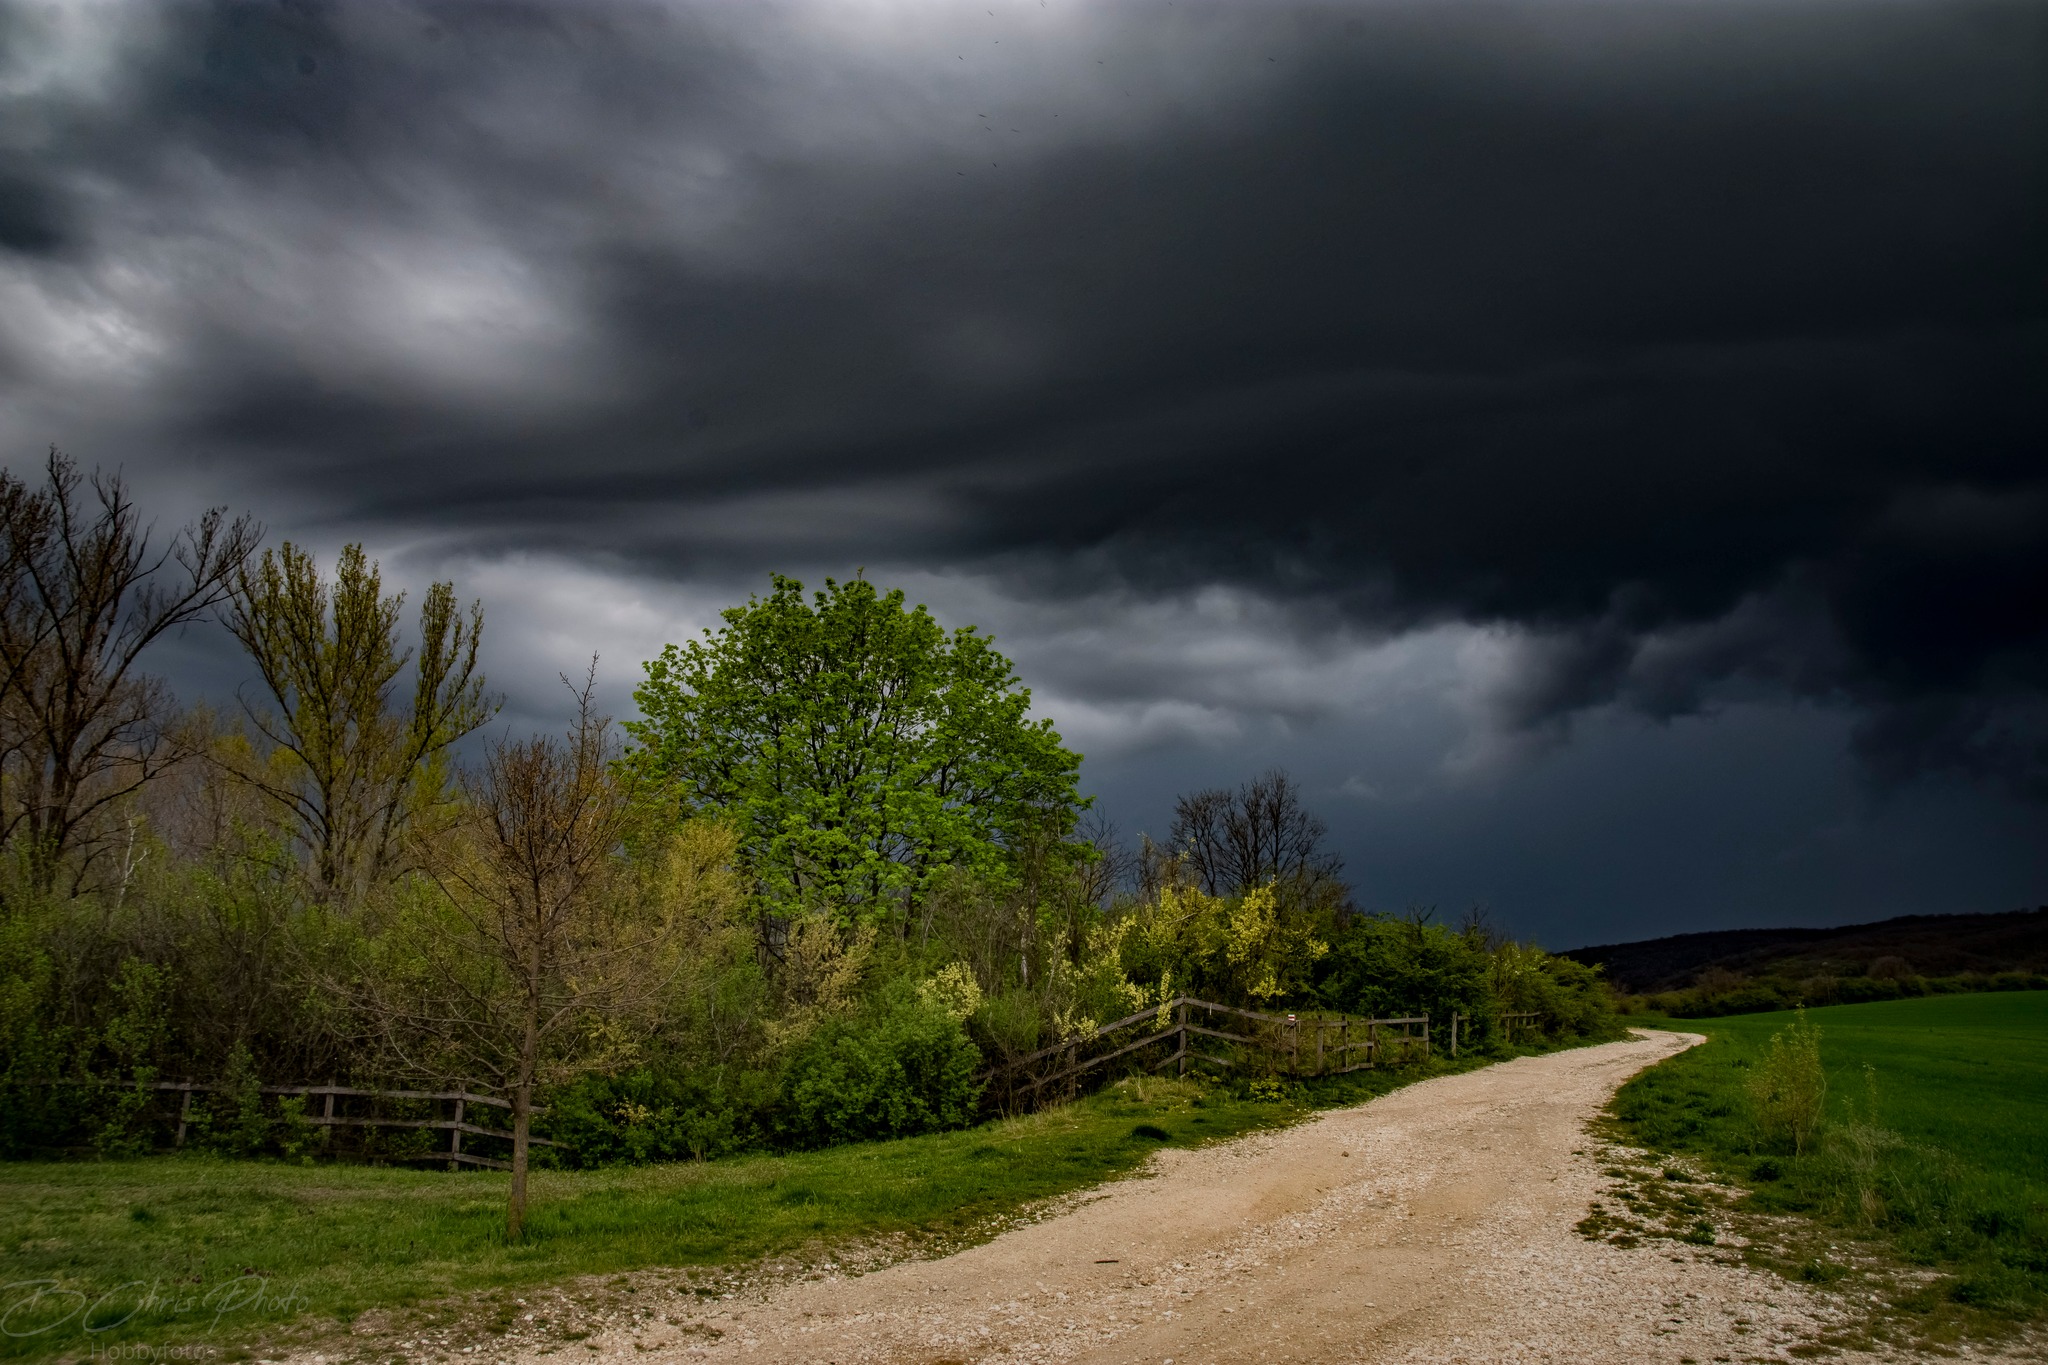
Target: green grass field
{"type": "Point", "coordinates": [1935, 1147]}
{"type": "Point", "coordinates": [238, 1256]}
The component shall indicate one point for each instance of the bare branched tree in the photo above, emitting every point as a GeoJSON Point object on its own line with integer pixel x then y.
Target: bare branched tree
{"type": "Point", "coordinates": [543, 950]}
{"type": "Point", "coordinates": [1105, 867]}
{"type": "Point", "coordinates": [83, 593]}
{"type": "Point", "coordinates": [363, 768]}
{"type": "Point", "coordinates": [1108, 865]}
{"type": "Point", "coordinates": [1259, 834]}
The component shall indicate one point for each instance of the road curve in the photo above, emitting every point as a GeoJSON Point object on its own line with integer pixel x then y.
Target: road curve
{"type": "Point", "coordinates": [1431, 1224]}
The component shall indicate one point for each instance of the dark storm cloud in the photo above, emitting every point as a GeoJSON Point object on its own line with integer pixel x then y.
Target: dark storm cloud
{"type": "Point", "coordinates": [31, 219]}
{"type": "Point", "coordinates": [1703, 343]}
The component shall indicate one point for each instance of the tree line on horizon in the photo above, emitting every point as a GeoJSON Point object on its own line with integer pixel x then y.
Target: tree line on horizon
{"type": "Point", "coordinates": [830, 873]}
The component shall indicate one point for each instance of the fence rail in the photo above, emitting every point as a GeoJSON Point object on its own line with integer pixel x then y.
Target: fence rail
{"type": "Point", "coordinates": [455, 1125]}
{"type": "Point", "coordinates": [1526, 1019]}
{"type": "Point", "coordinates": [1334, 1046]}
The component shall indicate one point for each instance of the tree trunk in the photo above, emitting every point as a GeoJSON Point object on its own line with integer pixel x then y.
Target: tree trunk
{"type": "Point", "coordinates": [522, 1120]}
{"type": "Point", "coordinates": [522, 1115]}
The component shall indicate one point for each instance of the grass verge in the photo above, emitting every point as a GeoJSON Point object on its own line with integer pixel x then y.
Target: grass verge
{"type": "Point", "coordinates": [1926, 1193]}
{"type": "Point", "coordinates": [212, 1259]}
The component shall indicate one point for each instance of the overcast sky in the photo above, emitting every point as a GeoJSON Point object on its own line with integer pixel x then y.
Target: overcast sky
{"type": "Point", "coordinates": [1601, 449]}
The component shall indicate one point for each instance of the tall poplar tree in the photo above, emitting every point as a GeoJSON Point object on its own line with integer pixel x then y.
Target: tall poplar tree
{"type": "Point", "coordinates": [358, 764]}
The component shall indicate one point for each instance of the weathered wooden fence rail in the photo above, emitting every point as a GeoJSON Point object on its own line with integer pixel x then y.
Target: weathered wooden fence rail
{"type": "Point", "coordinates": [1526, 1020]}
{"type": "Point", "coordinates": [1334, 1045]}
{"type": "Point", "coordinates": [456, 1124]}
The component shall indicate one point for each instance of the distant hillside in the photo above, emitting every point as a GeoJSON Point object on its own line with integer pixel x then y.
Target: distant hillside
{"type": "Point", "coordinates": [1930, 945]}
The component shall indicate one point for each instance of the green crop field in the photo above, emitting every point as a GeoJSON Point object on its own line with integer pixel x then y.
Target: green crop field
{"type": "Point", "coordinates": [1934, 1146]}
{"type": "Point", "coordinates": [232, 1257]}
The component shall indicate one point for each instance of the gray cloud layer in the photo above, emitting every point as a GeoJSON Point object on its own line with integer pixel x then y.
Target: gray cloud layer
{"type": "Point", "coordinates": [1697, 349]}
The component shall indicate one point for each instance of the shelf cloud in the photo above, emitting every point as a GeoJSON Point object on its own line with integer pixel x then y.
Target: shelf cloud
{"type": "Point", "coordinates": [1250, 368]}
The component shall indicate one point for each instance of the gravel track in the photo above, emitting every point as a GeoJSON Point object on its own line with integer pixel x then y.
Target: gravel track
{"type": "Point", "coordinates": [1432, 1224]}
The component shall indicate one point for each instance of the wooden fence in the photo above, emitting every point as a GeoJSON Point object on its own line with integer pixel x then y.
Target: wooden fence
{"type": "Point", "coordinates": [1508, 1023]}
{"type": "Point", "coordinates": [456, 1103]}
{"type": "Point", "coordinates": [1526, 1021]}
{"type": "Point", "coordinates": [1293, 1044]}
{"type": "Point", "coordinates": [1174, 1034]}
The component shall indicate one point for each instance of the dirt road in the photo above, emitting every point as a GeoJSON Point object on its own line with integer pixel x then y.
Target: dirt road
{"type": "Point", "coordinates": [1433, 1224]}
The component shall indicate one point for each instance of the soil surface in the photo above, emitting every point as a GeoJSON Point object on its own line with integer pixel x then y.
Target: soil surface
{"type": "Point", "coordinates": [1432, 1224]}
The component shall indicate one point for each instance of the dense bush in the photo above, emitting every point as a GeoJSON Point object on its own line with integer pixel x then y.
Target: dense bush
{"type": "Point", "coordinates": [190, 974]}
{"type": "Point", "coordinates": [650, 1115]}
{"type": "Point", "coordinates": [1379, 965]}
{"type": "Point", "coordinates": [1788, 1087]}
{"type": "Point", "coordinates": [226, 976]}
{"type": "Point", "coordinates": [1382, 965]}
{"type": "Point", "coordinates": [1570, 998]}
{"type": "Point", "coordinates": [1252, 947]}
{"type": "Point", "coordinates": [902, 1066]}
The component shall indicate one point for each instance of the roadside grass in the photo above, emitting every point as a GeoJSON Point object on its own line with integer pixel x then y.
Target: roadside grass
{"type": "Point", "coordinates": [1928, 1185]}
{"type": "Point", "coordinates": [236, 1258]}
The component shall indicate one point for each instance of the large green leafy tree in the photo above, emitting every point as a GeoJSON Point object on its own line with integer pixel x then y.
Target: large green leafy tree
{"type": "Point", "coordinates": [857, 748]}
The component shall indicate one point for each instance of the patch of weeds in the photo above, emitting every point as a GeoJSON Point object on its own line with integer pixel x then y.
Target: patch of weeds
{"type": "Point", "coordinates": [1816, 1271]}
{"type": "Point", "coordinates": [1668, 1204]}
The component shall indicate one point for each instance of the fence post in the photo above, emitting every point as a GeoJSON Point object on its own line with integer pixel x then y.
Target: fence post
{"type": "Point", "coordinates": [455, 1134]}
{"type": "Point", "coordinates": [327, 1113]}
{"type": "Point", "coordinates": [1184, 1037]}
{"type": "Point", "coordinates": [1319, 1047]}
{"type": "Point", "coordinates": [1454, 1033]}
{"type": "Point", "coordinates": [1425, 1037]}
{"type": "Point", "coordinates": [184, 1115]}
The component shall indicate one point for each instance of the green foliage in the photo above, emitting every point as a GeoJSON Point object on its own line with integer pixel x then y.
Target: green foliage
{"type": "Point", "coordinates": [903, 1066]}
{"type": "Point", "coordinates": [1788, 1087]}
{"type": "Point", "coordinates": [1572, 999]}
{"type": "Point", "coordinates": [1387, 966]}
{"type": "Point", "coordinates": [358, 767]}
{"type": "Point", "coordinates": [233, 1119]}
{"type": "Point", "coordinates": [1245, 948]}
{"type": "Point", "coordinates": [239, 1120]}
{"type": "Point", "coordinates": [1935, 1140]}
{"type": "Point", "coordinates": [860, 750]}
{"type": "Point", "coordinates": [1008, 1025]}
{"type": "Point", "coordinates": [35, 1045]}
{"type": "Point", "coordinates": [658, 1115]}
{"type": "Point", "coordinates": [1384, 966]}
{"type": "Point", "coordinates": [133, 1040]}
{"type": "Point", "coordinates": [198, 963]}
{"type": "Point", "coordinates": [293, 1132]}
